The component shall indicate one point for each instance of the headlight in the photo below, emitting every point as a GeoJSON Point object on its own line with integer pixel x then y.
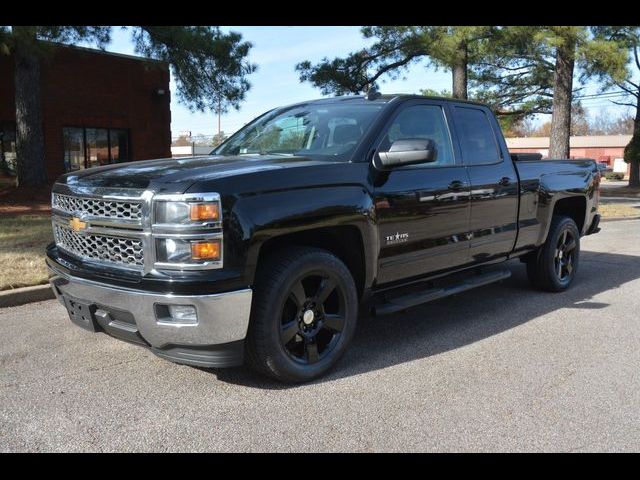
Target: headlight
{"type": "Point", "coordinates": [187, 231]}
{"type": "Point", "coordinates": [185, 213]}
{"type": "Point", "coordinates": [187, 252]}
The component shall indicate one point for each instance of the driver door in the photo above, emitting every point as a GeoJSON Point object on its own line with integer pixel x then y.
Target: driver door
{"type": "Point", "coordinates": [423, 210]}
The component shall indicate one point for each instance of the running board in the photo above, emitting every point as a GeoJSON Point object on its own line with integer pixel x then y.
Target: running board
{"type": "Point", "coordinates": [411, 300]}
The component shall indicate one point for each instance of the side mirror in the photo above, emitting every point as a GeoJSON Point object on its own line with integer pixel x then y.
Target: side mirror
{"type": "Point", "coordinates": [408, 152]}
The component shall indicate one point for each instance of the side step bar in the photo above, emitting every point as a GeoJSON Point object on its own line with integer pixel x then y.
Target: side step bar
{"type": "Point", "coordinates": [411, 300]}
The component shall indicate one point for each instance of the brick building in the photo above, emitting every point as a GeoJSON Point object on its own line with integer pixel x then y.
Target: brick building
{"type": "Point", "coordinates": [602, 148]}
{"type": "Point", "coordinates": [98, 108]}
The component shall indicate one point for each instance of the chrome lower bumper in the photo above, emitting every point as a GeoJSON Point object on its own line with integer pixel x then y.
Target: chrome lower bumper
{"type": "Point", "coordinates": [222, 318]}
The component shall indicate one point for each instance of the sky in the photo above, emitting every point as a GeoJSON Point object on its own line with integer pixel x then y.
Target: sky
{"type": "Point", "coordinates": [276, 50]}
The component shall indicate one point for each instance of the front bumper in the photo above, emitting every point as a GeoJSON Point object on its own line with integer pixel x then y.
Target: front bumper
{"type": "Point", "coordinates": [214, 341]}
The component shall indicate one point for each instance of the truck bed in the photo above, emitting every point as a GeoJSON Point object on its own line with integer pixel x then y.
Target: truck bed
{"type": "Point", "coordinates": [545, 182]}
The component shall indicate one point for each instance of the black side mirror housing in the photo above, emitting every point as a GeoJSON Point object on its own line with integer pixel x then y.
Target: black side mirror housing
{"type": "Point", "coordinates": [408, 152]}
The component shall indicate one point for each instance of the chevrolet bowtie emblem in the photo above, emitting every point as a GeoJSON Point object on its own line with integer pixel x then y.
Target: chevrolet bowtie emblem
{"type": "Point", "coordinates": [76, 224]}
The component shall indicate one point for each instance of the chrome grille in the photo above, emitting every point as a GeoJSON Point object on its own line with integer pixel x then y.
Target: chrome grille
{"type": "Point", "coordinates": [117, 209]}
{"type": "Point", "coordinates": [119, 250]}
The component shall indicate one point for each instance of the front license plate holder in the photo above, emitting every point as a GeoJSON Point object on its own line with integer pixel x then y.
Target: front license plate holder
{"type": "Point", "coordinates": [82, 313]}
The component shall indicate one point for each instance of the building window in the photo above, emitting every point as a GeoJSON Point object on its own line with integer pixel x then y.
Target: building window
{"type": "Point", "coordinates": [97, 147]}
{"type": "Point", "coordinates": [8, 148]}
{"type": "Point", "coordinates": [92, 147]}
{"type": "Point", "coordinates": [73, 149]}
{"type": "Point", "coordinates": [119, 143]}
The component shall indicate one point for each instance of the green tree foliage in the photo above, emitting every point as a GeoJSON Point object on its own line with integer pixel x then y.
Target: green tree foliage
{"type": "Point", "coordinates": [210, 68]}
{"type": "Point", "coordinates": [532, 70]}
{"type": "Point", "coordinates": [515, 76]}
{"type": "Point", "coordinates": [397, 47]}
{"type": "Point", "coordinates": [509, 68]}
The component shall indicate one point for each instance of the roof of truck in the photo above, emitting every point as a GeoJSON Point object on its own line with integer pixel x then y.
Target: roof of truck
{"type": "Point", "coordinates": [385, 98]}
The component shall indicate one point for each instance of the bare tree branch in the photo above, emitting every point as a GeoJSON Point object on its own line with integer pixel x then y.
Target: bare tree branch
{"type": "Point", "coordinates": [624, 104]}
{"type": "Point", "coordinates": [628, 90]}
{"type": "Point", "coordinates": [635, 85]}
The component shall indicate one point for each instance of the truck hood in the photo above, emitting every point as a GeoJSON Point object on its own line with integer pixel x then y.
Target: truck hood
{"type": "Point", "coordinates": [175, 175]}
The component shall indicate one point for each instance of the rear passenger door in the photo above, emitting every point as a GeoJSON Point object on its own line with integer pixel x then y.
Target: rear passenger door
{"type": "Point", "coordinates": [494, 183]}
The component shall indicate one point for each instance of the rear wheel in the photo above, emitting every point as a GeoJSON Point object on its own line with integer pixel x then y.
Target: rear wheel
{"type": "Point", "coordinates": [303, 315]}
{"type": "Point", "coordinates": [554, 265]}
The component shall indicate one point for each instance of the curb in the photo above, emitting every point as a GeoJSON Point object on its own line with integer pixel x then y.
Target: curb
{"type": "Point", "coordinates": [618, 219]}
{"type": "Point", "coordinates": [605, 200]}
{"type": "Point", "coordinates": [20, 296]}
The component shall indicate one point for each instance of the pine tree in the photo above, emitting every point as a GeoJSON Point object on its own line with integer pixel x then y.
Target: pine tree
{"type": "Point", "coordinates": [615, 61]}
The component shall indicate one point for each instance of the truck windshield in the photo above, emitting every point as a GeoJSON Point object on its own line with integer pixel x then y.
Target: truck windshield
{"type": "Point", "coordinates": [319, 131]}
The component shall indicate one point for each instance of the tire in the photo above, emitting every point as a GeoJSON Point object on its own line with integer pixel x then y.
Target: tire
{"type": "Point", "coordinates": [284, 340]}
{"type": "Point", "coordinates": [555, 264]}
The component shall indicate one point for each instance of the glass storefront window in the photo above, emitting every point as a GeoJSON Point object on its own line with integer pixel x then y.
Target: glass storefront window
{"type": "Point", "coordinates": [119, 140]}
{"type": "Point", "coordinates": [92, 147]}
{"type": "Point", "coordinates": [8, 149]}
{"type": "Point", "coordinates": [73, 149]}
{"type": "Point", "coordinates": [97, 147]}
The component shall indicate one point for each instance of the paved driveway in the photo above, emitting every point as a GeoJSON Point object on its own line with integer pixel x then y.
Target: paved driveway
{"type": "Point", "coordinates": [499, 368]}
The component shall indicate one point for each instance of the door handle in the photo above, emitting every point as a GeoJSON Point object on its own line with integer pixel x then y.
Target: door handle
{"type": "Point", "coordinates": [504, 181]}
{"type": "Point", "coordinates": [456, 185]}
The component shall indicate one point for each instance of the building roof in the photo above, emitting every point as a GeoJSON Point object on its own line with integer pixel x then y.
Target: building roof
{"type": "Point", "coordinates": [104, 52]}
{"type": "Point", "coordinates": [585, 141]}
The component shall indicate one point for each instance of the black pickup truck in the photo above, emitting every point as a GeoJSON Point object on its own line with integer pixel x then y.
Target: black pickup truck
{"type": "Point", "coordinates": [265, 250]}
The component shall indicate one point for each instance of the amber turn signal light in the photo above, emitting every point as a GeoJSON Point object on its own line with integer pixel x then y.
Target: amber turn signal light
{"type": "Point", "coordinates": [205, 250]}
{"type": "Point", "coordinates": [204, 211]}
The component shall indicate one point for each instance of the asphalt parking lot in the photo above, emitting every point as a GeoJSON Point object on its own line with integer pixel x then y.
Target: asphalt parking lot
{"type": "Point", "coordinates": [501, 368]}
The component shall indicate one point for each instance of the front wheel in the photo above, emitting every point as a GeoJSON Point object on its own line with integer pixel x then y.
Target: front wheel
{"type": "Point", "coordinates": [303, 315]}
{"type": "Point", "coordinates": [554, 265]}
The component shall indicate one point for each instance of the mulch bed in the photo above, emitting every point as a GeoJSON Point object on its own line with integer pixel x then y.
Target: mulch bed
{"type": "Point", "coordinates": [19, 201]}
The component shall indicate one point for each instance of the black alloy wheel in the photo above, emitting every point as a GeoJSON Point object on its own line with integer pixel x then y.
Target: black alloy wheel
{"type": "Point", "coordinates": [303, 314]}
{"type": "Point", "coordinates": [313, 317]}
{"type": "Point", "coordinates": [564, 255]}
{"type": "Point", "coordinates": [553, 266]}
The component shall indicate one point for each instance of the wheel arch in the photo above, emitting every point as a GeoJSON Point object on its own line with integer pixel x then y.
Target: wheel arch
{"type": "Point", "coordinates": [572, 206]}
{"type": "Point", "coordinates": [344, 241]}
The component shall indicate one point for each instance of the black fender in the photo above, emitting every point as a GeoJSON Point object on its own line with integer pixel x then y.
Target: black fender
{"type": "Point", "coordinates": [256, 219]}
{"type": "Point", "coordinates": [545, 183]}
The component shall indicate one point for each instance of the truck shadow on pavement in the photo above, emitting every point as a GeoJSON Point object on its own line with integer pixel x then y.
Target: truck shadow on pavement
{"type": "Point", "coordinates": [454, 322]}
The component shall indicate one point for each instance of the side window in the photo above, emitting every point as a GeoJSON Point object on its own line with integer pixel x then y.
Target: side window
{"type": "Point", "coordinates": [422, 121]}
{"type": "Point", "coordinates": [477, 140]}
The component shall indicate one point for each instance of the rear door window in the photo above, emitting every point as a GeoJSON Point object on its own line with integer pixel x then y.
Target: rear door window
{"type": "Point", "coordinates": [477, 140]}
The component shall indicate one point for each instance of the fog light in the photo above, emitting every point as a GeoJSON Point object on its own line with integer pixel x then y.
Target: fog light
{"type": "Point", "coordinates": [183, 313]}
{"type": "Point", "coordinates": [177, 314]}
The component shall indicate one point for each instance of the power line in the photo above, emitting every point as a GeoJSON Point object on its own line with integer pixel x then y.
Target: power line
{"type": "Point", "coordinates": [602, 95]}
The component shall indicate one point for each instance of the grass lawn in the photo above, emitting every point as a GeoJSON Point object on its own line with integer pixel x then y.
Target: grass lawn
{"type": "Point", "coordinates": [611, 210]}
{"type": "Point", "coordinates": [23, 239]}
